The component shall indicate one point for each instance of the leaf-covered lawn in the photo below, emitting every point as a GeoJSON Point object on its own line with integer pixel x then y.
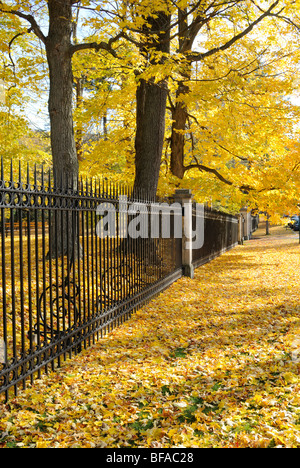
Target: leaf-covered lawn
{"type": "Point", "coordinates": [210, 362]}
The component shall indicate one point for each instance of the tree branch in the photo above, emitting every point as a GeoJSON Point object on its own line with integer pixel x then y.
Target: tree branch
{"type": "Point", "coordinates": [196, 57]}
{"type": "Point", "coordinates": [34, 26]}
{"type": "Point", "coordinates": [243, 188]}
{"type": "Point", "coordinates": [11, 43]}
{"type": "Point", "coordinates": [202, 168]}
{"type": "Point", "coordinates": [98, 46]}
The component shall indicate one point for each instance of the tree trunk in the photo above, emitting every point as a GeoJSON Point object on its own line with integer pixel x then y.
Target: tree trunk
{"type": "Point", "coordinates": [64, 155]}
{"type": "Point", "coordinates": [179, 119]}
{"type": "Point", "coordinates": [79, 130]}
{"type": "Point", "coordinates": [179, 111]}
{"type": "Point", "coordinates": [58, 46]}
{"type": "Point", "coordinates": [151, 102]}
{"type": "Point", "coordinates": [267, 224]}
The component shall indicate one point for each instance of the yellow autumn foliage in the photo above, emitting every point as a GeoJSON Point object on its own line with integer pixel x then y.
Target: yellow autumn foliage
{"type": "Point", "coordinates": [211, 362]}
{"type": "Point", "coordinates": [242, 100]}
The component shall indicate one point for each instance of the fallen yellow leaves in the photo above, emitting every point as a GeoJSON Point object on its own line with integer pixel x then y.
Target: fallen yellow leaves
{"type": "Point", "coordinates": [212, 362]}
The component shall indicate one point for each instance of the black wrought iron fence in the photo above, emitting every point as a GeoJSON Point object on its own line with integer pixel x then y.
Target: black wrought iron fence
{"type": "Point", "coordinates": [63, 284]}
{"type": "Point", "coordinates": [220, 235]}
{"type": "Point", "coordinates": [77, 259]}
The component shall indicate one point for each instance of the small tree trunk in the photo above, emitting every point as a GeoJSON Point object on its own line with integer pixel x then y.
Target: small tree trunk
{"type": "Point", "coordinates": [179, 118]}
{"type": "Point", "coordinates": [105, 132]}
{"type": "Point", "coordinates": [268, 225]}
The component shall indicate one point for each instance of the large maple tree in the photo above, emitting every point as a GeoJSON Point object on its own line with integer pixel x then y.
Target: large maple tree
{"type": "Point", "coordinates": [168, 93]}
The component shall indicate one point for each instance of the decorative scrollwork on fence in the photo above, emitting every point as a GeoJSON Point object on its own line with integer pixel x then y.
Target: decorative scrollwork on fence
{"type": "Point", "coordinates": [57, 310]}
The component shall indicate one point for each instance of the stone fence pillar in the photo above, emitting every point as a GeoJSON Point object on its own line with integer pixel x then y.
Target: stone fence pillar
{"type": "Point", "coordinates": [185, 197]}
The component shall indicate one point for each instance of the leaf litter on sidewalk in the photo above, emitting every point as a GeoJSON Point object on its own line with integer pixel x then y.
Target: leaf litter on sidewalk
{"type": "Point", "coordinates": [211, 362]}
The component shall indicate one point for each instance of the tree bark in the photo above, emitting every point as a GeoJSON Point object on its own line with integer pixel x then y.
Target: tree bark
{"type": "Point", "coordinates": [179, 121]}
{"type": "Point", "coordinates": [64, 153]}
{"type": "Point", "coordinates": [79, 130]}
{"type": "Point", "coordinates": [58, 47]}
{"type": "Point", "coordinates": [151, 102]}
{"type": "Point", "coordinates": [179, 111]}
{"type": "Point", "coordinates": [267, 224]}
